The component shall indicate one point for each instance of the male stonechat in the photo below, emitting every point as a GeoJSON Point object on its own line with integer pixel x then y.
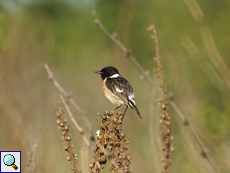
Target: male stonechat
{"type": "Point", "coordinates": [117, 89]}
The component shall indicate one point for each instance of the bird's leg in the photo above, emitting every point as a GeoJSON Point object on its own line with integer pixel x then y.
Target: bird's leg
{"type": "Point", "coordinates": [118, 107]}
{"type": "Point", "coordinates": [124, 113]}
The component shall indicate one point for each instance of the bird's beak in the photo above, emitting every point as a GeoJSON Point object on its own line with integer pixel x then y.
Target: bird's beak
{"type": "Point", "coordinates": [99, 72]}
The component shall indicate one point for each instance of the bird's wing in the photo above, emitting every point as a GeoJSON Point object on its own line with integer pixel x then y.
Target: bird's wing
{"type": "Point", "coordinates": [120, 87]}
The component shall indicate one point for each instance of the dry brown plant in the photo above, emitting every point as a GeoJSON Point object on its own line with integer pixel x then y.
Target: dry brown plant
{"type": "Point", "coordinates": [163, 100]}
{"type": "Point", "coordinates": [113, 140]}
{"type": "Point", "coordinates": [64, 127]}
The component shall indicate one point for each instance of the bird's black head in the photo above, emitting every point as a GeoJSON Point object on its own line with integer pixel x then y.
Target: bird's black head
{"type": "Point", "coordinates": [108, 72]}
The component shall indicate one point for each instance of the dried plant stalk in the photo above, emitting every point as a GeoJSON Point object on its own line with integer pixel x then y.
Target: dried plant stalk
{"type": "Point", "coordinates": [165, 121]}
{"type": "Point", "coordinates": [114, 142]}
{"type": "Point", "coordinates": [64, 127]}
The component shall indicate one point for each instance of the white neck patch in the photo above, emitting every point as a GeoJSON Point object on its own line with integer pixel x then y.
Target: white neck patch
{"type": "Point", "coordinates": [114, 76]}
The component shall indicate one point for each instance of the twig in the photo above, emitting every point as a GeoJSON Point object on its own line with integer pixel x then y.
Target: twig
{"type": "Point", "coordinates": [52, 79]}
{"type": "Point", "coordinates": [212, 52]}
{"type": "Point", "coordinates": [153, 84]}
{"type": "Point", "coordinates": [127, 52]}
{"type": "Point", "coordinates": [74, 121]}
{"type": "Point", "coordinates": [178, 110]}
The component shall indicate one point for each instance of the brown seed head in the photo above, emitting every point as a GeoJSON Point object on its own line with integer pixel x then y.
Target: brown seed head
{"type": "Point", "coordinates": [167, 123]}
{"type": "Point", "coordinates": [172, 138]}
{"type": "Point", "coordinates": [164, 107]}
{"type": "Point", "coordinates": [171, 149]}
{"type": "Point", "coordinates": [67, 138]}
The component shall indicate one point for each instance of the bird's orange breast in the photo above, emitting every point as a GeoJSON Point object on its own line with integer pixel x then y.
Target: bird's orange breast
{"type": "Point", "coordinates": [113, 98]}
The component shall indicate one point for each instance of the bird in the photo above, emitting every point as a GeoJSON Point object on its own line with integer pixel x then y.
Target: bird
{"type": "Point", "coordinates": [117, 89]}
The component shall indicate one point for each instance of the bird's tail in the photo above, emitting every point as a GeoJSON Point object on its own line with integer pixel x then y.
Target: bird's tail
{"type": "Point", "coordinates": [134, 106]}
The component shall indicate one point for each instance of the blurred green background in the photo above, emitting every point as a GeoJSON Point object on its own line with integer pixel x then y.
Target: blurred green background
{"type": "Point", "coordinates": [63, 35]}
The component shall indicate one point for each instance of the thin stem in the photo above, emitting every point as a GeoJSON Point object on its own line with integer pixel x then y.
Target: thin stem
{"type": "Point", "coordinates": [125, 50]}
{"type": "Point", "coordinates": [74, 121]}
{"type": "Point", "coordinates": [52, 79]}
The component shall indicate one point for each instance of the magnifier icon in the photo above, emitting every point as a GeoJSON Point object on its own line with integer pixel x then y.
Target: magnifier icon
{"type": "Point", "coordinates": [9, 160]}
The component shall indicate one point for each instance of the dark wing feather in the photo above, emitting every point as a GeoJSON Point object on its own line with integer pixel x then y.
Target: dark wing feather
{"type": "Point", "coordinates": [123, 85]}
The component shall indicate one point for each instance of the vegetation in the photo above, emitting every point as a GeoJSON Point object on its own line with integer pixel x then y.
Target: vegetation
{"type": "Point", "coordinates": [193, 40]}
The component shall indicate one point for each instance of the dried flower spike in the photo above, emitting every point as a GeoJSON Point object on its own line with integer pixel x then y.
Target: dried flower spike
{"type": "Point", "coordinates": [64, 127]}
{"type": "Point", "coordinates": [113, 141]}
